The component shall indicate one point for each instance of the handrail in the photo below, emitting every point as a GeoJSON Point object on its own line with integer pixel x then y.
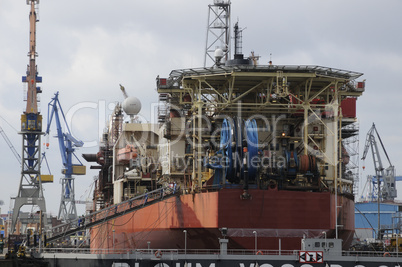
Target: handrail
{"type": "Point", "coordinates": [151, 252]}
{"type": "Point", "coordinates": [109, 213]}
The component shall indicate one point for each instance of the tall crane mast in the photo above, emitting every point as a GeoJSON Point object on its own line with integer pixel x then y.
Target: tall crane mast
{"type": "Point", "coordinates": [30, 190]}
{"type": "Point", "coordinates": [67, 210]}
{"type": "Point", "coordinates": [386, 189]}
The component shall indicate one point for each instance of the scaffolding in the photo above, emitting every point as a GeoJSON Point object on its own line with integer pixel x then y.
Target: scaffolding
{"type": "Point", "coordinates": [351, 144]}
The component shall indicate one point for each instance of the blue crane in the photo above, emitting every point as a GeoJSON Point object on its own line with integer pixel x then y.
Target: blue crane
{"type": "Point", "coordinates": [67, 142]}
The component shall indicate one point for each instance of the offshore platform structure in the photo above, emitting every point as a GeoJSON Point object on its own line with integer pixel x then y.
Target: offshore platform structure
{"type": "Point", "coordinates": [30, 190]}
{"type": "Point", "coordinates": [67, 210]}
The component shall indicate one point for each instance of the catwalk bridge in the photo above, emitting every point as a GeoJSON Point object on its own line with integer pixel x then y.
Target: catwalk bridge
{"type": "Point", "coordinates": [110, 213]}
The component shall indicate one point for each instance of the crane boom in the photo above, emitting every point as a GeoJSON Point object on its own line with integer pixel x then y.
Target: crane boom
{"type": "Point", "coordinates": [32, 79]}
{"type": "Point", "coordinates": [65, 139]}
{"type": "Point", "coordinates": [123, 91]}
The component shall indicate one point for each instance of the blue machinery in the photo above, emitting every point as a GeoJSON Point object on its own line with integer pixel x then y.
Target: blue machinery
{"type": "Point", "coordinates": [242, 160]}
{"type": "Point", "coordinates": [237, 149]}
{"type": "Point", "coordinates": [67, 142]}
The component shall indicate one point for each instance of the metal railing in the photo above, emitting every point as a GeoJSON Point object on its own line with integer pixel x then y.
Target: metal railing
{"type": "Point", "coordinates": [245, 252]}
{"type": "Point", "coordinates": [166, 251]}
{"type": "Point", "coordinates": [109, 213]}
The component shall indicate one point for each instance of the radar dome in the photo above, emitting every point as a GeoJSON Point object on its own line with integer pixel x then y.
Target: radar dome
{"type": "Point", "coordinates": [218, 53]}
{"type": "Point", "coordinates": [131, 105]}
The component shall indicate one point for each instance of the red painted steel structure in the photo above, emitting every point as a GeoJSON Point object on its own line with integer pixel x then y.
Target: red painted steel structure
{"type": "Point", "coordinates": [273, 214]}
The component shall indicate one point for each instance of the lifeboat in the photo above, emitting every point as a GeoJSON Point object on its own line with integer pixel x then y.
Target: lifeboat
{"type": "Point", "coordinates": [125, 154]}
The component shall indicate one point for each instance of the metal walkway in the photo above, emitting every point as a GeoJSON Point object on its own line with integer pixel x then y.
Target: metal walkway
{"type": "Point", "coordinates": [110, 213]}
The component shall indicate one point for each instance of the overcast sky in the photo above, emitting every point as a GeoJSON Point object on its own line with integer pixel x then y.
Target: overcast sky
{"type": "Point", "coordinates": [87, 48]}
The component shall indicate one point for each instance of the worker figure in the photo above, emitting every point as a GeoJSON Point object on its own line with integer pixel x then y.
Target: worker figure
{"type": "Point", "coordinates": [146, 196]}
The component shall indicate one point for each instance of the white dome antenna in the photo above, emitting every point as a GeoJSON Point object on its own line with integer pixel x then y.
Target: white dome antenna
{"type": "Point", "coordinates": [218, 56]}
{"type": "Point", "coordinates": [131, 106]}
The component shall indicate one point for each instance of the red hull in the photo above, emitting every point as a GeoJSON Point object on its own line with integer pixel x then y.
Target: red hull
{"type": "Point", "coordinates": [274, 215]}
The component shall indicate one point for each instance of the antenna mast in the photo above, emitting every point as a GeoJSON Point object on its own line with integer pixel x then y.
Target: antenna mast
{"type": "Point", "coordinates": [218, 30]}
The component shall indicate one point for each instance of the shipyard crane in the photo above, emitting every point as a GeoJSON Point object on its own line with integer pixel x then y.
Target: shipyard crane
{"type": "Point", "coordinates": [387, 189]}
{"type": "Point", "coordinates": [67, 142]}
{"type": "Point", "coordinates": [30, 190]}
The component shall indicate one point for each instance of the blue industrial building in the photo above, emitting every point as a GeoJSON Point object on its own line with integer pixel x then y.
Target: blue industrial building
{"type": "Point", "coordinates": [366, 219]}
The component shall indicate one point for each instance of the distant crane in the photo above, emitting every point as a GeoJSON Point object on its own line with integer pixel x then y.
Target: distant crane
{"type": "Point", "coordinates": [67, 210]}
{"type": "Point", "coordinates": [387, 189]}
{"type": "Point", "coordinates": [123, 90]}
{"type": "Point", "coordinates": [10, 145]}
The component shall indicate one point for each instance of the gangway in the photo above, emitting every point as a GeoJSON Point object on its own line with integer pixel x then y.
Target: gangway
{"type": "Point", "coordinates": [110, 213]}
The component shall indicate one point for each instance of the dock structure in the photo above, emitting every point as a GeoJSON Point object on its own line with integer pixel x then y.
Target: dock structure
{"type": "Point", "coordinates": [218, 257]}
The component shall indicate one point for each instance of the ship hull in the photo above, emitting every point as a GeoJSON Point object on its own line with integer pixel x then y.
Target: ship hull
{"type": "Point", "coordinates": [277, 219]}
